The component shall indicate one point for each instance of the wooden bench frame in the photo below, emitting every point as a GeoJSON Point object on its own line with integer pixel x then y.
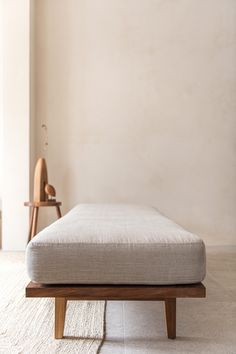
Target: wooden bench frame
{"type": "Point", "coordinates": [166, 293]}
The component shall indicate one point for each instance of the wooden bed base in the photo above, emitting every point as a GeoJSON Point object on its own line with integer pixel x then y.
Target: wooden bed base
{"type": "Point", "coordinates": [168, 294]}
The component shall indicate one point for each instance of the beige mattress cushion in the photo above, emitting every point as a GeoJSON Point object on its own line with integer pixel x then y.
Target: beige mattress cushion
{"type": "Point", "coordinates": [115, 244]}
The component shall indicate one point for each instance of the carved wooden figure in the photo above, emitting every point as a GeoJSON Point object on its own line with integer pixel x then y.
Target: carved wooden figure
{"type": "Point", "coordinates": [40, 181]}
{"type": "Point", "coordinates": [50, 191]}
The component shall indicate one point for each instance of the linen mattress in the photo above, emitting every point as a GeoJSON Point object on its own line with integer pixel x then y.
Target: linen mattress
{"type": "Point", "coordinates": [115, 244]}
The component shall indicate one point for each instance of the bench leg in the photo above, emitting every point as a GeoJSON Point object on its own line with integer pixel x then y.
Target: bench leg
{"type": "Point", "coordinates": [170, 307]}
{"type": "Point", "coordinates": [60, 314]}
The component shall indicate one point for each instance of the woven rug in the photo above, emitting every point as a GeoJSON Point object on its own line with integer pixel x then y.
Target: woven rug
{"type": "Point", "coordinates": [27, 325]}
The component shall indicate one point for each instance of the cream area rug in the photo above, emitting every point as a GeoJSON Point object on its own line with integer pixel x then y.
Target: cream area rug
{"type": "Point", "coordinates": [27, 324]}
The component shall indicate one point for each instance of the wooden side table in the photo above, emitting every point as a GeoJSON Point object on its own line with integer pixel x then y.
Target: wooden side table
{"type": "Point", "coordinates": [35, 211]}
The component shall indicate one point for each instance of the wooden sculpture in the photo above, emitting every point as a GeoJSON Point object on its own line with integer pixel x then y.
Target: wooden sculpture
{"type": "Point", "coordinates": [43, 191]}
{"type": "Point", "coordinates": [50, 191]}
{"type": "Point", "coordinates": [40, 181]}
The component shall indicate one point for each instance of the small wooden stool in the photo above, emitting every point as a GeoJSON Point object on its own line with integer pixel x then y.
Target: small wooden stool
{"type": "Point", "coordinates": [34, 214]}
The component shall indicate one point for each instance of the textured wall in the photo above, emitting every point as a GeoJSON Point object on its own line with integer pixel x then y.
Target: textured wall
{"type": "Point", "coordinates": [140, 102]}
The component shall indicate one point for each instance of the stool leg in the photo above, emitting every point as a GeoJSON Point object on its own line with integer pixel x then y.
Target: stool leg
{"type": "Point", "coordinates": [170, 306]}
{"type": "Point", "coordinates": [60, 315]}
{"type": "Point", "coordinates": [58, 211]}
{"type": "Point", "coordinates": [35, 221]}
{"type": "Point", "coordinates": [31, 223]}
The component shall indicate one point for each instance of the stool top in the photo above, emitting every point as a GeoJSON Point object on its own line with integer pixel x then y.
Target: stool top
{"type": "Point", "coordinates": [43, 204]}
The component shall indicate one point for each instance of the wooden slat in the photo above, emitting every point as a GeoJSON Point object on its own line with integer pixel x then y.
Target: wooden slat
{"type": "Point", "coordinates": [116, 292]}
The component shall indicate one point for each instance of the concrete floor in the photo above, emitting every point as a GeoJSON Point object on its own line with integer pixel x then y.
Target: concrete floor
{"type": "Point", "coordinates": [203, 325]}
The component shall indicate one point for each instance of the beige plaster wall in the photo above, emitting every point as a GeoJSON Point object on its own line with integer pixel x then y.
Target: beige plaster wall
{"type": "Point", "coordinates": [140, 102]}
